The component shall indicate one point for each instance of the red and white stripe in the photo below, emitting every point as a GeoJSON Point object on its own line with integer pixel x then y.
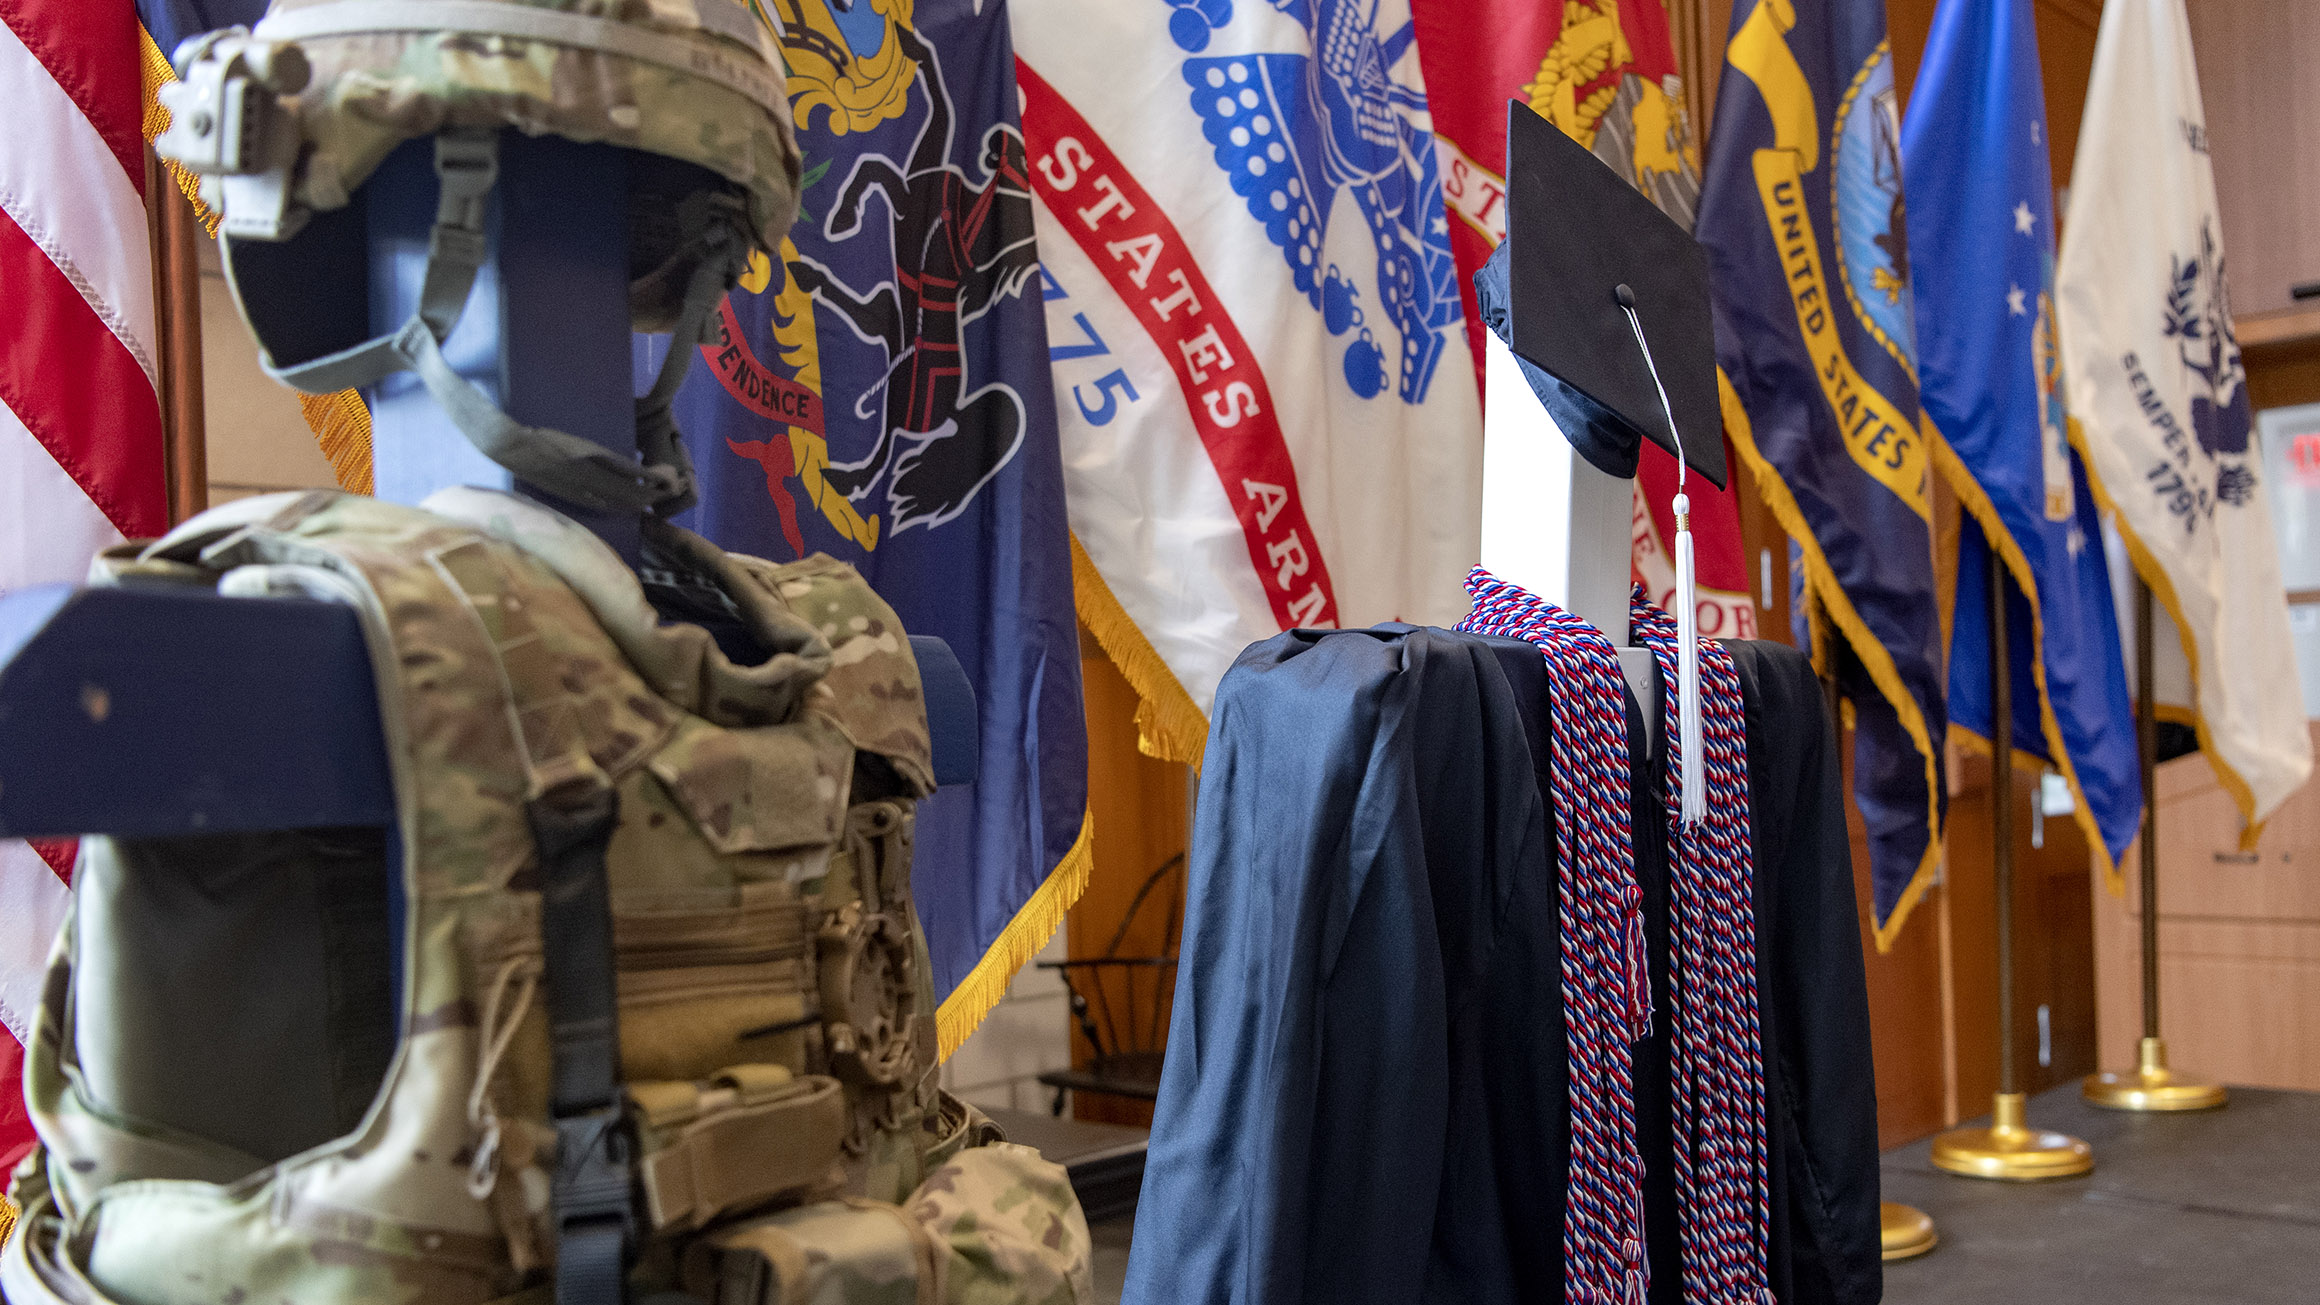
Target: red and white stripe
{"type": "Point", "coordinates": [80, 415]}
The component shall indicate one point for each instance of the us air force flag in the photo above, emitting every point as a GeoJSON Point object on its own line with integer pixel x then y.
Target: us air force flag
{"type": "Point", "coordinates": [2160, 397]}
{"type": "Point", "coordinates": [880, 393]}
{"type": "Point", "coordinates": [1981, 234]}
{"type": "Point", "coordinates": [1801, 214]}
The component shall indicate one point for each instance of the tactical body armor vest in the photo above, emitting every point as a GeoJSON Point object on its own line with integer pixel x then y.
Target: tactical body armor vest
{"type": "Point", "coordinates": [634, 979]}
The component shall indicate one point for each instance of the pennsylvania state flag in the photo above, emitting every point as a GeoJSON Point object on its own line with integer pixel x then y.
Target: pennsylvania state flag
{"type": "Point", "coordinates": [881, 392]}
{"type": "Point", "coordinates": [1981, 228]}
{"type": "Point", "coordinates": [1801, 214]}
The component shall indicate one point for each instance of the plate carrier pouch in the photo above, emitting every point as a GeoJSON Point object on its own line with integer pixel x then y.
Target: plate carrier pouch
{"type": "Point", "coordinates": [665, 1020]}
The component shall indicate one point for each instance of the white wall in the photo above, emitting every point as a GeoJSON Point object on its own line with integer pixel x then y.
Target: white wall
{"type": "Point", "coordinates": [1028, 1032]}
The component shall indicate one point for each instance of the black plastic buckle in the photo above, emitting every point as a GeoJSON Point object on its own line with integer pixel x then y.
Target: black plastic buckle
{"type": "Point", "coordinates": [595, 1172]}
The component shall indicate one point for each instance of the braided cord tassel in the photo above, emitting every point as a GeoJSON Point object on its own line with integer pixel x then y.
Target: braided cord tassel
{"type": "Point", "coordinates": [1605, 987]}
{"type": "Point", "coordinates": [1717, 1051]}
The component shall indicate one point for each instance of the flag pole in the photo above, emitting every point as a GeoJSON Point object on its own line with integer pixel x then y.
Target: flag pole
{"type": "Point", "coordinates": [2150, 1085]}
{"type": "Point", "coordinates": [1904, 1232]}
{"type": "Point", "coordinates": [2009, 1148]}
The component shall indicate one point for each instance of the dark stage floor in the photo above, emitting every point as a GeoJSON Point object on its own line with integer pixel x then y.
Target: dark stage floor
{"type": "Point", "coordinates": [2212, 1208]}
{"type": "Point", "coordinates": [2221, 1208]}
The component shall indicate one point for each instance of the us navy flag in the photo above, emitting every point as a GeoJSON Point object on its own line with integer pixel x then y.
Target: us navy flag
{"type": "Point", "coordinates": [1801, 213]}
{"type": "Point", "coordinates": [1981, 225]}
{"type": "Point", "coordinates": [881, 393]}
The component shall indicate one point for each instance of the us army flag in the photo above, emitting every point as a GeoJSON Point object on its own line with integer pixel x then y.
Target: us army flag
{"type": "Point", "coordinates": [1604, 71]}
{"type": "Point", "coordinates": [1268, 409]}
{"type": "Point", "coordinates": [880, 393]}
{"type": "Point", "coordinates": [1801, 214]}
{"type": "Point", "coordinates": [1981, 236]}
{"type": "Point", "coordinates": [2160, 397]}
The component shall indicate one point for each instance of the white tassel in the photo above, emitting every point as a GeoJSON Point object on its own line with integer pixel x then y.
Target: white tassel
{"type": "Point", "coordinates": [1690, 747]}
{"type": "Point", "coordinates": [1691, 772]}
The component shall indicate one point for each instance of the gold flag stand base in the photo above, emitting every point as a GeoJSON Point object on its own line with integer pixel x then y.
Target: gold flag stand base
{"type": "Point", "coordinates": [2010, 1149]}
{"type": "Point", "coordinates": [1907, 1231]}
{"type": "Point", "coordinates": [2152, 1086]}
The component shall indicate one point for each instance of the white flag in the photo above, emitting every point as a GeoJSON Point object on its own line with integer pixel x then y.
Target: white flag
{"type": "Point", "coordinates": [2158, 389]}
{"type": "Point", "coordinates": [1261, 371]}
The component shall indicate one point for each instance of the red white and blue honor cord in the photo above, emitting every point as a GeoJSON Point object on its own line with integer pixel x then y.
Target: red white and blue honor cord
{"type": "Point", "coordinates": [1717, 1051]}
{"type": "Point", "coordinates": [1605, 981]}
{"type": "Point", "coordinates": [1717, 1062]}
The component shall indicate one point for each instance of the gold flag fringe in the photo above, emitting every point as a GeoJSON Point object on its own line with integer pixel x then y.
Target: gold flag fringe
{"type": "Point", "coordinates": [341, 422]}
{"type": "Point", "coordinates": [1168, 724]}
{"type": "Point", "coordinates": [1835, 607]}
{"type": "Point", "coordinates": [2000, 539]}
{"type": "Point", "coordinates": [7, 1218]}
{"type": "Point", "coordinates": [963, 1011]}
{"type": "Point", "coordinates": [2162, 585]}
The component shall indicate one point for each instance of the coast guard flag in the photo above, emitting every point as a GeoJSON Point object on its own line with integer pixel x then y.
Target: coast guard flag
{"type": "Point", "coordinates": [881, 394]}
{"type": "Point", "coordinates": [1268, 408]}
{"type": "Point", "coordinates": [1981, 234]}
{"type": "Point", "coordinates": [1801, 214]}
{"type": "Point", "coordinates": [1604, 71]}
{"type": "Point", "coordinates": [80, 414]}
{"type": "Point", "coordinates": [2160, 397]}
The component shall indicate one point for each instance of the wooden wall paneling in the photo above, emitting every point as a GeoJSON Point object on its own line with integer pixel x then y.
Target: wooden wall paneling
{"type": "Point", "coordinates": [2058, 976]}
{"type": "Point", "coordinates": [1906, 24]}
{"type": "Point", "coordinates": [1971, 913]}
{"type": "Point", "coordinates": [1700, 28]}
{"type": "Point", "coordinates": [1142, 817]}
{"type": "Point", "coordinates": [2256, 60]}
{"type": "Point", "coordinates": [2284, 373]}
{"type": "Point", "coordinates": [2239, 938]}
{"type": "Point", "coordinates": [2054, 963]}
{"type": "Point", "coordinates": [1764, 549]}
{"type": "Point", "coordinates": [2066, 35]}
{"type": "Point", "coordinates": [175, 234]}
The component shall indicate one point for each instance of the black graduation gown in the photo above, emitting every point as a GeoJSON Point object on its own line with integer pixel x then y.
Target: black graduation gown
{"type": "Point", "coordinates": [1366, 1096]}
{"type": "Point", "coordinates": [1820, 1098]}
{"type": "Point", "coordinates": [1354, 1105]}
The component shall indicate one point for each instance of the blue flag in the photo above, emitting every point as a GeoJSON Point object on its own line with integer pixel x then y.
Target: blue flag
{"type": "Point", "coordinates": [1800, 210]}
{"type": "Point", "coordinates": [1981, 231]}
{"type": "Point", "coordinates": [880, 392]}
{"type": "Point", "coordinates": [171, 21]}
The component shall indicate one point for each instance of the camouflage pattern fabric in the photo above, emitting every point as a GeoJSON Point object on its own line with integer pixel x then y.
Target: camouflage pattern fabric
{"type": "Point", "coordinates": [370, 92]}
{"type": "Point", "coordinates": [995, 1226]}
{"type": "Point", "coordinates": [775, 998]}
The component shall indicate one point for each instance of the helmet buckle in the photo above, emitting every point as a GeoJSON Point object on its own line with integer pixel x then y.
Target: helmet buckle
{"type": "Point", "coordinates": [228, 125]}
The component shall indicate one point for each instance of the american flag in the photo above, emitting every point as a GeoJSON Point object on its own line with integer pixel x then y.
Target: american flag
{"type": "Point", "coordinates": [80, 414]}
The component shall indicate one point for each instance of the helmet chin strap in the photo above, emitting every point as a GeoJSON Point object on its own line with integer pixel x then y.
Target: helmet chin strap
{"type": "Point", "coordinates": [467, 167]}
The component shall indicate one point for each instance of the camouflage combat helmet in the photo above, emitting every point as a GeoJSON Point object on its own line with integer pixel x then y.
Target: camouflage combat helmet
{"type": "Point", "coordinates": [631, 1000]}
{"type": "Point", "coordinates": [285, 122]}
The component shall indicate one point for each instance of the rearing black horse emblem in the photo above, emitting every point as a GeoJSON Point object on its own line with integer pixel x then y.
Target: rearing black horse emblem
{"type": "Point", "coordinates": [960, 247]}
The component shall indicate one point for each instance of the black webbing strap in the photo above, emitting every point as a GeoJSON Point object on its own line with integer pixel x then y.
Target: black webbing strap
{"type": "Point", "coordinates": [595, 1217]}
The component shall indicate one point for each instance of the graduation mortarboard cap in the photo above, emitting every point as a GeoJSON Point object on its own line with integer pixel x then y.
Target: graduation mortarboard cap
{"type": "Point", "coordinates": [1576, 232]}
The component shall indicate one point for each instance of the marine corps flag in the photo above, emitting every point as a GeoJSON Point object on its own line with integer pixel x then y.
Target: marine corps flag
{"type": "Point", "coordinates": [1981, 227]}
{"type": "Point", "coordinates": [1801, 214]}
{"type": "Point", "coordinates": [1604, 71]}
{"type": "Point", "coordinates": [1268, 410]}
{"type": "Point", "coordinates": [2160, 396]}
{"type": "Point", "coordinates": [880, 393]}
